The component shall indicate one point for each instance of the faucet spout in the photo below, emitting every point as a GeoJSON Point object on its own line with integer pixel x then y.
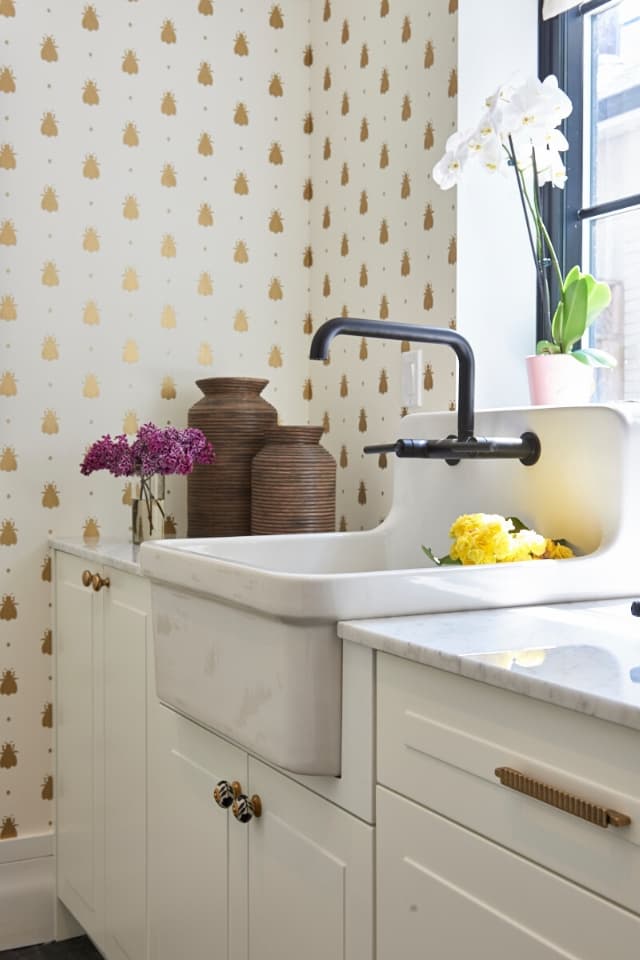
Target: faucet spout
{"type": "Point", "coordinates": [406, 331]}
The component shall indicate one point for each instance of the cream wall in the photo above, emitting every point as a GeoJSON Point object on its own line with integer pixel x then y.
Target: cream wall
{"type": "Point", "coordinates": [163, 220]}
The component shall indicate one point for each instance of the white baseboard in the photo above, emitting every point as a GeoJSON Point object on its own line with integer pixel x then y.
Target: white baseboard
{"type": "Point", "coordinates": [27, 891]}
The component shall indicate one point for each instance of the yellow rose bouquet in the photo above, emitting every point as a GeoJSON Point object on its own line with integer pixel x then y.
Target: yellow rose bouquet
{"type": "Point", "coordinates": [490, 538]}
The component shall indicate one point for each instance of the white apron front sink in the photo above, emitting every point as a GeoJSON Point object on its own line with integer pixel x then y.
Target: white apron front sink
{"type": "Point", "coordinates": [244, 628]}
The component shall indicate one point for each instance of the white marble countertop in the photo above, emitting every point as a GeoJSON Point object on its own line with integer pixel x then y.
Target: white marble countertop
{"type": "Point", "coordinates": [584, 656]}
{"type": "Point", "coordinates": [119, 554]}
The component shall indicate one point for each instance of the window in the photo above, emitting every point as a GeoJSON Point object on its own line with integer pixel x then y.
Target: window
{"type": "Point", "coordinates": [594, 50]}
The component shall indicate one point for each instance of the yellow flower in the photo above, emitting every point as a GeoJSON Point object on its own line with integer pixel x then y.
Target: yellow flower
{"type": "Point", "coordinates": [557, 551]}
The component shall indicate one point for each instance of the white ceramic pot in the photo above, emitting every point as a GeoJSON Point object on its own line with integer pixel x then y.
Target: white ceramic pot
{"type": "Point", "coordinates": [559, 379]}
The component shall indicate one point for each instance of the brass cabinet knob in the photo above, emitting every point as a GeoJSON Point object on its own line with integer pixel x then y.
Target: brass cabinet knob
{"type": "Point", "coordinates": [98, 582]}
{"type": "Point", "coordinates": [225, 793]}
{"type": "Point", "coordinates": [87, 578]}
{"type": "Point", "coordinates": [245, 809]}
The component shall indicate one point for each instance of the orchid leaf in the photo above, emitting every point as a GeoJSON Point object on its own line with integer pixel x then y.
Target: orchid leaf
{"type": "Point", "coordinates": [574, 319]}
{"type": "Point", "coordinates": [598, 297]}
{"type": "Point", "coordinates": [571, 277]}
{"type": "Point", "coordinates": [595, 358]}
{"type": "Point", "coordinates": [556, 327]}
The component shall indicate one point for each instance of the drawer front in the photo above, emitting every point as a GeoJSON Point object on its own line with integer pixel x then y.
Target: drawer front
{"type": "Point", "coordinates": [443, 891]}
{"type": "Point", "coordinates": [441, 738]}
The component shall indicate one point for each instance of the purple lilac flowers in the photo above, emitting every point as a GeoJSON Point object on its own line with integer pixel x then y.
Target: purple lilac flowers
{"type": "Point", "coordinates": [154, 450]}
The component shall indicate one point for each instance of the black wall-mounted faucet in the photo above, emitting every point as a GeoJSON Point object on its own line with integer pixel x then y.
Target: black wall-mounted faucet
{"type": "Point", "coordinates": [452, 449]}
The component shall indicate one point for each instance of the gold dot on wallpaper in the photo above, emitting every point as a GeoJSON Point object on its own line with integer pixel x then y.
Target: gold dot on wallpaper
{"type": "Point", "coordinates": [48, 50]}
{"type": "Point", "coordinates": [345, 32]}
{"type": "Point", "coordinates": [307, 56]}
{"type": "Point", "coordinates": [90, 167]}
{"type": "Point", "coordinates": [7, 8]}
{"type": "Point", "coordinates": [275, 85]}
{"type": "Point", "coordinates": [49, 201]}
{"type": "Point", "coordinates": [307, 257]}
{"type": "Point", "coordinates": [326, 152]}
{"type": "Point", "coordinates": [344, 457]}
{"type": "Point", "coordinates": [308, 123]}
{"type": "Point", "coordinates": [384, 307]}
{"type": "Point", "coordinates": [8, 607]}
{"type": "Point", "coordinates": [307, 390]}
{"type": "Point", "coordinates": [127, 495]}
{"type": "Point", "coordinates": [8, 461]}
{"type": "Point", "coordinates": [205, 355]}
{"type": "Point", "coordinates": [275, 289]}
{"type": "Point", "coordinates": [405, 189]}
{"type": "Point", "coordinates": [8, 756]}
{"type": "Point", "coordinates": [382, 461]}
{"type": "Point", "coordinates": [364, 56]}
{"type": "Point", "coordinates": [46, 643]}
{"type": "Point", "coordinates": [130, 352]}
{"type": "Point", "coordinates": [168, 32]}
{"type": "Point", "coordinates": [326, 286]}
{"type": "Point", "coordinates": [8, 234]}
{"type": "Point", "coordinates": [406, 107]}
{"type": "Point", "coordinates": [7, 80]}
{"type": "Point", "coordinates": [383, 382]}
{"type": "Point", "coordinates": [129, 62]}
{"type": "Point", "coordinates": [90, 18]}
{"type": "Point", "coordinates": [91, 240]}
{"type": "Point", "coordinates": [50, 423]}
{"type": "Point", "coordinates": [50, 274]}
{"type": "Point", "coordinates": [326, 13]}
{"type": "Point", "coordinates": [168, 178]}
{"type": "Point", "coordinates": [452, 254]}
{"type": "Point", "coordinates": [240, 46]}
{"type": "Point", "coordinates": [130, 280]}
{"type": "Point", "coordinates": [168, 246]}
{"type": "Point", "coordinates": [326, 85]}
{"type": "Point", "coordinates": [8, 685]}
{"type": "Point", "coordinates": [47, 715]}
{"type": "Point", "coordinates": [384, 81]}
{"type": "Point", "coordinates": [9, 829]}
{"type": "Point", "coordinates": [91, 314]}
{"type": "Point", "coordinates": [205, 145]}
{"type": "Point", "coordinates": [130, 423]}
{"type": "Point", "coordinates": [241, 116]}
{"type": "Point", "coordinates": [50, 496]}
{"type": "Point", "coordinates": [7, 157]}
{"type": "Point", "coordinates": [275, 222]}
{"type": "Point", "coordinates": [452, 89]}
{"type": "Point", "coordinates": [345, 104]}
{"type": "Point", "coordinates": [205, 286]}
{"type": "Point", "coordinates": [205, 75]}
{"type": "Point", "coordinates": [363, 351]}
{"type": "Point", "coordinates": [275, 357]}
{"type": "Point", "coordinates": [50, 349]}
{"type": "Point", "coordinates": [130, 136]}
{"type": "Point", "coordinates": [240, 252]}
{"type": "Point", "coordinates": [344, 175]}
{"type": "Point", "coordinates": [168, 388]}
{"type": "Point", "coordinates": [307, 326]}
{"type": "Point", "coordinates": [168, 317]}
{"type": "Point", "coordinates": [205, 215]}
{"type": "Point", "coordinates": [91, 387]}
{"type": "Point", "coordinates": [130, 208]}
{"type": "Point", "coordinates": [8, 309]}
{"type": "Point", "coordinates": [427, 301]}
{"type": "Point", "coordinates": [8, 533]}
{"type": "Point", "coordinates": [427, 223]}
{"type": "Point", "coordinates": [8, 384]}
{"type": "Point", "coordinates": [307, 190]}
{"type": "Point", "coordinates": [275, 154]}
{"type": "Point", "coordinates": [276, 19]}
{"type": "Point", "coordinates": [364, 275]}
{"type": "Point", "coordinates": [91, 530]}
{"type": "Point", "coordinates": [344, 386]}
{"type": "Point", "coordinates": [45, 570]}
{"type": "Point", "coordinates": [241, 184]}
{"type": "Point", "coordinates": [240, 321]}
{"type": "Point", "coordinates": [326, 423]}
{"type": "Point", "coordinates": [405, 264]}
{"type": "Point", "coordinates": [453, 6]}
{"type": "Point", "coordinates": [383, 236]}
{"type": "Point", "coordinates": [364, 202]}
{"type": "Point", "coordinates": [362, 493]}
{"type": "Point", "coordinates": [168, 105]}
{"type": "Point", "coordinates": [326, 218]}
{"type": "Point", "coordinates": [90, 94]}
{"type": "Point", "coordinates": [344, 246]}
{"type": "Point", "coordinates": [429, 136]}
{"type": "Point", "coordinates": [429, 55]}
{"type": "Point", "coordinates": [428, 377]}
{"type": "Point", "coordinates": [46, 792]}
{"type": "Point", "coordinates": [205, 7]}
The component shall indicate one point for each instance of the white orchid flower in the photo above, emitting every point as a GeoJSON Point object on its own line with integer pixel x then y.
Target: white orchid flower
{"type": "Point", "coordinates": [447, 171]}
{"type": "Point", "coordinates": [551, 169]}
{"type": "Point", "coordinates": [535, 106]}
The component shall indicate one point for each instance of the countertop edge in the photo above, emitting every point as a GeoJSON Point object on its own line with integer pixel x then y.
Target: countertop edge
{"type": "Point", "coordinates": [118, 554]}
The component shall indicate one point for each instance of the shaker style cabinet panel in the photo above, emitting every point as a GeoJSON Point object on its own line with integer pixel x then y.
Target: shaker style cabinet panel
{"type": "Point", "coordinates": [101, 643]}
{"type": "Point", "coordinates": [446, 890]}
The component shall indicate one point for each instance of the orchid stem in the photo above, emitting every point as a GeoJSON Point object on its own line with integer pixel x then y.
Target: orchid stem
{"type": "Point", "coordinates": [526, 202]}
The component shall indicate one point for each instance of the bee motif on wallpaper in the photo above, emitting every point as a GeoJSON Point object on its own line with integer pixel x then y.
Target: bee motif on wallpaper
{"type": "Point", "coordinates": [130, 352]}
{"type": "Point", "coordinates": [326, 286]}
{"type": "Point", "coordinates": [205, 75]}
{"type": "Point", "coordinates": [91, 387]}
{"type": "Point", "coordinates": [8, 683]}
{"type": "Point", "coordinates": [240, 321]}
{"type": "Point", "coordinates": [429, 136]}
{"type": "Point", "coordinates": [307, 326]}
{"type": "Point", "coordinates": [384, 8]}
{"type": "Point", "coordinates": [345, 104]}
{"type": "Point", "coordinates": [405, 264]}
{"type": "Point", "coordinates": [45, 570]}
{"type": "Point", "coordinates": [170, 528]}
{"type": "Point", "coordinates": [344, 246]}
{"type": "Point", "coordinates": [46, 643]}
{"type": "Point", "coordinates": [406, 30]}
{"type": "Point", "coordinates": [8, 384]}
{"type": "Point", "coordinates": [275, 357]}
{"type": "Point", "coordinates": [49, 201]}
{"type": "Point", "coordinates": [342, 527]}
{"type": "Point", "coordinates": [307, 125]}
{"type": "Point", "coordinates": [130, 281]}
{"type": "Point", "coordinates": [382, 461]}
{"type": "Point", "coordinates": [363, 352]}
{"type": "Point", "coordinates": [127, 495]}
{"type": "Point", "coordinates": [168, 177]}
{"type": "Point", "coordinates": [345, 32]}
{"type": "Point", "coordinates": [168, 32]}
{"type": "Point", "coordinates": [428, 377]}
{"type": "Point", "coordinates": [406, 107]}
{"type": "Point", "coordinates": [344, 386]}
{"type": "Point", "coordinates": [364, 56]}
{"type": "Point", "coordinates": [429, 55]}
{"type": "Point", "coordinates": [90, 94]}
{"type": "Point", "coordinates": [326, 13]}
{"type": "Point", "coordinates": [275, 289]}
{"type": "Point", "coordinates": [47, 715]}
{"type": "Point", "coordinates": [453, 6]}
{"type": "Point", "coordinates": [50, 274]}
{"type": "Point", "coordinates": [383, 382]}
{"type": "Point", "coordinates": [275, 85]}
{"type": "Point", "coordinates": [344, 457]}
{"type": "Point", "coordinates": [276, 224]}
{"type": "Point", "coordinates": [307, 390]}
{"type": "Point", "coordinates": [90, 18]}
{"type": "Point", "coordinates": [326, 150]}
{"type": "Point", "coordinates": [91, 530]}
{"type": "Point", "coordinates": [428, 220]}
{"type": "Point", "coordinates": [9, 829]}
{"type": "Point", "coordinates": [205, 286]}
{"type": "Point", "coordinates": [307, 257]}
{"type": "Point", "coordinates": [427, 301]}
{"type": "Point", "coordinates": [362, 421]}
{"type": "Point", "coordinates": [168, 388]}
{"type": "Point", "coordinates": [241, 184]}
{"type": "Point", "coordinates": [8, 756]}
{"type": "Point", "coordinates": [326, 218]}
{"type": "Point", "coordinates": [8, 236]}
{"type": "Point", "coordinates": [326, 82]}
{"type": "Point", "coordinates": [205, 355]}
{"type": "Point", "coordinates": [452, 254]}
{"type": "Point", "coordinates": [168, 105]}
{"type": "Point", "coordinates": [7, 80]}
{"type": "Point", "coordinates": [307, 192]}
{"type": "Point", "coordinates": [326, 422]}
{"type": "Point", "coordinates": [384, 156]}
{"type": "Point", "coordinates": [383, 236]}
{"type": "Point", "coordinates": [130, 62]}
{"type": "Point", "coordinates": [364, 275]}
{"type": "Point", "coordinates": [168, 317]}
{"type": "Point", "coordinates": [8, 460]}
{"type": "Point", "coordinates": [91, 314]}
{"type": "Point", "coordinates": [452, 89]}
{"type": "Point", "coordinates": [384, 307]}
{"type": "Point", "coordinates": [168, 247]}
{"type": "Point", "coordinates": [50, 496]}
{"type": "Point", "coordinates": [50, 423]}
{"type": "Point", "coordinates": [307, 57]}
{"type": "Point", "coordinates": [7, 157]}
{"type": "Point", "coordinates": [275, 154]}
{"type": "Point", "coordinates": [46, 791]}
{"type": "Point", "coordinates": [130, 423]}
{"type": "Point", "coordinates": [91, 240]}
{"type": "Point", "coordinates": [364, 203]}
{"type": "Point", "coordinates": [49, 50]}
{"type": "Point", "coordinates": [130, 209]}
{"type": "Point", "coordinates": [130, 135]}
{"type": "Point", "coordinates": [8, 309]}
{"type": "Point", "coordinates": [205, 7]}
{"type": "Point", "coordinates": [241, 46]}
{"type": "Point", "coordinates": [405, 188]}
{"type": "Point", "coordinates": [8, 607]}
{"type": "Point", "coordinates": [362, 493]}
{"type": "Point", "coordinates": [205, 145]}
{"type": "Point", "coordinates": [91, 167]}
{"type": "Point", "coordinates": [50, 349]}
{"type": "Point", "coordinates": [384, 81]}
{"type": "Point", "coordinates": [205, 215]}
{"type": "Point", "coordinates": [276, 20]}
{"type": "Point", "coordinates": [7, 8]}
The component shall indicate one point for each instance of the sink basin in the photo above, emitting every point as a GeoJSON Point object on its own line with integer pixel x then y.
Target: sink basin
{"type": "Point", "coordinates": [244, 627]}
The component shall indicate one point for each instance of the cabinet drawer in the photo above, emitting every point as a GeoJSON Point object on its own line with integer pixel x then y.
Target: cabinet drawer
{"type": "Point", "coordinates": [443, 891]}
{"type": "Point", "coordinates": [441, 738]}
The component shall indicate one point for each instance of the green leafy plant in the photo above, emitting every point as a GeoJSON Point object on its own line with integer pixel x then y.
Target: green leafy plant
{"type": "Point", "coordinates": [582, 298]}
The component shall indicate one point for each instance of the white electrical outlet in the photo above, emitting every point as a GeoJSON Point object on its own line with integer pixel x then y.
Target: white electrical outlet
{"type": "Point", "coordinates": [411, 381]}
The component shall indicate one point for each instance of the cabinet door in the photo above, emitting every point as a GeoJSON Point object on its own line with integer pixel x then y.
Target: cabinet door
{"type": "Point", "coordinates": [127, 629]}
{"type": "Point", "coordinates": [197, 852]}
{"type": "Point", "coordinates": [310, 875]}
{"type": "Point", "coordinates": [79, 723]}
{"type": "Point", "coordinates": [446, 892]}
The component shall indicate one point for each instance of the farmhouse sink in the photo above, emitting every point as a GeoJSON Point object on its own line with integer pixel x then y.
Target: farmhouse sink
{"type": "Point", "coordinates": [244, 627]}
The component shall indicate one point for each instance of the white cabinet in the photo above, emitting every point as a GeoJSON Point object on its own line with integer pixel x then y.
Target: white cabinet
{"type": "Point", "coordinates": [101, 643]}
{"type": "Point", "coordinates": [297, 881]}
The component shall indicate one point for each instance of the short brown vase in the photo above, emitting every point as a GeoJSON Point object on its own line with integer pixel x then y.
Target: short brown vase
{"type": "Point", "coordinates": [235, 419]}
{"type": "Point", "coordinates": [293, 483]}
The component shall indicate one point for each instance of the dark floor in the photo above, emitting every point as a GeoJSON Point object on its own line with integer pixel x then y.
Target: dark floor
{"type": "Point", "coordinates": [80, 948]}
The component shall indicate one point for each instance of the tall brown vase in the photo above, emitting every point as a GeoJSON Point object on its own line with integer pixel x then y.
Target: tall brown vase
{"type": "Point", "coordinates": [235, 418]}
{"type": "Point", "coordinates": [293, 483]}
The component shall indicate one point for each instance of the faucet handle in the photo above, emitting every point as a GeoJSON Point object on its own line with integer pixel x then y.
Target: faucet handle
{"type": "Point", "coordinates": [381, 448]}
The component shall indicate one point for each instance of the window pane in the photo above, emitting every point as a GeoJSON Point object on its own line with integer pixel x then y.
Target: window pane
{"type": "Point", "coordinates": [615, 258]}
{"type": "Point", "coordinates": [614, 107]}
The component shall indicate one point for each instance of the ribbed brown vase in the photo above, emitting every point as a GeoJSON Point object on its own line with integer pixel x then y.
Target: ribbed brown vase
{"type": "Point", "coordinates": [293, 483]}
{"type": "Point", "coordinates": [235, 418]}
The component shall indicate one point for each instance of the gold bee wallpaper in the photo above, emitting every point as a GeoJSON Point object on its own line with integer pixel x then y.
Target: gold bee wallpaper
{"type": "Point", "coordinates": [189, 188]}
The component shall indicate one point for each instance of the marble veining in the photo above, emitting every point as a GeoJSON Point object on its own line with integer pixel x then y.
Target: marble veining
{"type": "Point", "coordinates": [583, 656]}
{"type": "Point", "coordinates": [119, 554]}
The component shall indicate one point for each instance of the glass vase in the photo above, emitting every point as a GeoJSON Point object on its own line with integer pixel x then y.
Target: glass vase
{"type": "Point", "coordinates": [147, 508]}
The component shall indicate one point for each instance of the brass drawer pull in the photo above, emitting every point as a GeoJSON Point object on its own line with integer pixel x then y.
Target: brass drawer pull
{"type": "Point", "coordinates": [87, 578]}
{"type": "Point", "coordinates": [601, 816]}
